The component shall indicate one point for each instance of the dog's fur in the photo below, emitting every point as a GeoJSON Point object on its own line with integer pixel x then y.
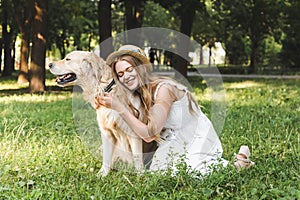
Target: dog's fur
{"type": "Point", "coordinates": [92, 74]}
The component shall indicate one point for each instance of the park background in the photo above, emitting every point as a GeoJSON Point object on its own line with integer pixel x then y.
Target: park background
{"type": "Point", "coordinates": [254, 36]}
{"type": "Point", "coordinates": [41, 155]}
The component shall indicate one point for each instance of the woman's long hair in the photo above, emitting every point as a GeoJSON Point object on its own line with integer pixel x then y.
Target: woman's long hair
{"type": "Point", "coordinates": [148, 83]}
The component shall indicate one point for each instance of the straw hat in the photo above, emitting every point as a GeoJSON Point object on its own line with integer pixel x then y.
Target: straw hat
{"type": "Point", "coordinates": [131, 50]}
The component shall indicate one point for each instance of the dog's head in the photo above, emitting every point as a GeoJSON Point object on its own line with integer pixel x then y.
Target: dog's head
{"type": "Point", "coordinates": [76, 65]}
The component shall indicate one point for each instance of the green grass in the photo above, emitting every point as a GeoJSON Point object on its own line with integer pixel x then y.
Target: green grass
{"type": "Point", "coordinates": [42, 156]}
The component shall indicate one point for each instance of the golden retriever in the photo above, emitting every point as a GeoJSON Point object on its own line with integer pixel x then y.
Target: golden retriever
{"type": "Point", "coordinates": [93, 75]}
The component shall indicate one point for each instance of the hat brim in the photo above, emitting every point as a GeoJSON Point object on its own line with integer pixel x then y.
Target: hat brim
{"type": "Point", "coordinates": [113, 56]}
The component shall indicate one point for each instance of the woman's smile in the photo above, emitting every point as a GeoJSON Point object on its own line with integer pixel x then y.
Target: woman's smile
{"type": "Point", "coordinates": [130, 81]}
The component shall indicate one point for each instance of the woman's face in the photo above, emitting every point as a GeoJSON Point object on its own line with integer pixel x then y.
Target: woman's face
{"type": "Point", "coordinates": [127, 75]}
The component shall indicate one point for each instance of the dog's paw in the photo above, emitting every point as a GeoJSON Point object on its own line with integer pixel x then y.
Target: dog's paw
{"type": "Point", "coordinates": [139, 167]}
{"type": "Point", "coordinates": [103, 172]}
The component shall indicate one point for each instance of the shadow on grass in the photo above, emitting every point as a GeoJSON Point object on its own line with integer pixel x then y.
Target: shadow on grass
{"type": "Point", "coordinates": [21, 91]}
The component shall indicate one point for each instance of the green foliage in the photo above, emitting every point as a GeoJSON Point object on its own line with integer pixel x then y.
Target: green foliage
{"type": "Point", "coordinates": [205, 27]}
{"type": "Point", "coordinates": [157, 16]}
{"type": "Point", "coordinates": [291, 44]}
{"type": "Point", "coordinates": [265, 31]}
{"type": "Point", "coordinates": [118, 17]}
{"type": "Point", "coordinates": [272, 51]}
{"type": "Point", "coordinates": [236, 49]}
{"type": "Point", "coordinates": [71, 25]}
{"type": "Point", "coordinates": [251, 21]}
{"type": "Point", "coordinates": [41, 156]}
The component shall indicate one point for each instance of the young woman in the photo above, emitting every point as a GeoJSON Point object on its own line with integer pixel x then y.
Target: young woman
{"type": "Point", "coordinates": [173, 115]}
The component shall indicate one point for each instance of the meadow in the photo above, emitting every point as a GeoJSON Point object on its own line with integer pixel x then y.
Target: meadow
{"type": "Point", "coordinates": [43, 157]}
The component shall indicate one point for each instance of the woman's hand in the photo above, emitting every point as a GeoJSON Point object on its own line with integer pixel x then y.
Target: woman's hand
{"type": "Point", "coordinates": [105, 101]}
{"type": "Point", "coordinates": [151, 138]}
{"type": "Point", "coordinates": [109, 101]}
{"type": "Point", "coordinates": [113, 102]}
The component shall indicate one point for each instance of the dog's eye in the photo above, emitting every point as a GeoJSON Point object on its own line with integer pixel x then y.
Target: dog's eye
{"type": "Point", "coordinates": [68, 59]}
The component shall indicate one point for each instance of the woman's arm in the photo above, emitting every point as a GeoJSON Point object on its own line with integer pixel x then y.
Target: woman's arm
{"type": "Point", "coordinates": [158, 113]}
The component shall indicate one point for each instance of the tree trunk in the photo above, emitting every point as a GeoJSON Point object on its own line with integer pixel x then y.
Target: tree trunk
{"type": "Point", "coordinates": [7, 38]}
{"type": "Point", "coordinates": [104, 17]}
{"type": "Point", "coordinates": [23, 14]}
{"type": "Point", "coordinates": [134, 11]}
{"type": "Point", "coordinates": [60, 45]}
{"type": "Point", "coordinates": [187, 16]}
{"type": "Point", "coordinates": [201, 59]}
{"type": "Point", "coordinates": [210, 46]}
{"type": "Point", "coordinates": [1, 48]}
{"type": "Point", "coordinates": [254, 56]}
{"type": "Point", "coordinates": [13, 52]}
{"type": "Point", "coordinates": [23, 71]}
{"type": "Point", "coordinates": [38, 54]}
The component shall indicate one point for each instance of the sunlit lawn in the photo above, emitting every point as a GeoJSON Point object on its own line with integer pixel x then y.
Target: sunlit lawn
{"type": "Point", "coordinates": [42, 156]}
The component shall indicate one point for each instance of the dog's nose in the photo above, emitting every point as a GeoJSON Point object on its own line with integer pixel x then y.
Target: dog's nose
{"type": "Point", "coordinates": [50, 65]}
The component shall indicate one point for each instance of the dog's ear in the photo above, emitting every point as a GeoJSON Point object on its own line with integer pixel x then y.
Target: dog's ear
{"type": "Point", "coordinates": [85, 64]}
{"type": "Point", "coordinates": [94, 60]}
{"type": "Point", "coordinates": [98, 65]}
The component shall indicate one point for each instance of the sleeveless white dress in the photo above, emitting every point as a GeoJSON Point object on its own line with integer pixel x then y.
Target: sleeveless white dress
{"type": "Point", "coordinates": [188, 136]}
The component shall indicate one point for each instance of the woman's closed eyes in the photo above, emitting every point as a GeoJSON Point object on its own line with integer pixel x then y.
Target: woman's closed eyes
{"type": "Point", "coordinates": [128, 69]}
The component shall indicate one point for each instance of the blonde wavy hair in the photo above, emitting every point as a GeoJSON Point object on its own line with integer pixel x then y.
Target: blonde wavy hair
{"type": "Point", "coordinates": [148, 82]}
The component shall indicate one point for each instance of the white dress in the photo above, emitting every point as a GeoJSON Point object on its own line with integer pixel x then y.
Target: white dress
{"type": "Point", "coordinates": [188, 136]}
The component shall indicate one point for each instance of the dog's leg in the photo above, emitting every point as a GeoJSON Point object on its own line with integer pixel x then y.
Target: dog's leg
{"type": "Point", "coordinates": [137, 152]}
{"type": "Point", "coordinates": [108, 146]}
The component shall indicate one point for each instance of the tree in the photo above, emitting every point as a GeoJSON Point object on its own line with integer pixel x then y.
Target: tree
{"type": "Point", "coordinates": [187, 14]}
{"type": "Point", "coordinates": [202, 31]}
{"type": "Point", "coordinates": [72, 25]}
{"type": "Point", "coordinates": [254, 19]}
{"type": "Point", "coordinates": [236, 48]}
{"type": "Point", "coordinates": [105, 28]}
{"type": "Point", "coordinates": [134, 14]}
{"type": "Point", "coordinates": [157, 16]}
{"type": "Point", "coordinates": [185, 10]}
{"type": "Point", "coordinates": [38, 54]}
{"type": "Point", "coordinates": [291, 44]}
{"type": "Point", "coordinates": [22, 10]}
{"type": "Point", "coordinates": [60, 22]}
{"type": "Point", "coordinates": [8, 36]}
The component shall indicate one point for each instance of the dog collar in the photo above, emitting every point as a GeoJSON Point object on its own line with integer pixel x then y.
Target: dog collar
{"type": "Point", "coordinates": [108, 88]}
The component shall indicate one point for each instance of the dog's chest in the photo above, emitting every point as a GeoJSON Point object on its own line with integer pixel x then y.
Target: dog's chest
{"type": "Point", "coordinates": [106, 116]}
